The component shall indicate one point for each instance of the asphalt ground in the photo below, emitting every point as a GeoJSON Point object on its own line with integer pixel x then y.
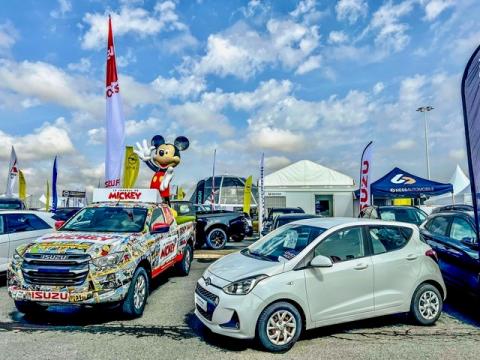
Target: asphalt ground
{"type": "Point", "coordinates": [170, 330]}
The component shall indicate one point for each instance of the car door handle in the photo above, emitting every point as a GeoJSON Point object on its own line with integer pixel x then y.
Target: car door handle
{"type": "Point", "coordinates": [411, 257]}
{"type": "Point", "coordinates": [361, 266]}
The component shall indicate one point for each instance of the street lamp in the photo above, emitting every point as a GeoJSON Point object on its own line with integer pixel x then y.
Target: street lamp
{"type": "Point", "coordinates": [424, 110]}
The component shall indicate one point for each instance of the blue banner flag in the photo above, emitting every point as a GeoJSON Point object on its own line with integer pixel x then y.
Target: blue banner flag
{"type": "Point", "coordinates": [54, 186]}
{"type": "Point", "coordinates": [471, 117]}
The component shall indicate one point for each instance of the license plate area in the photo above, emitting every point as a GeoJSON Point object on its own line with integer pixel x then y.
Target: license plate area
{"type": "Point", "coordinates": [49, 296]}
{"type": "Point", "coordinates": [202, 303]}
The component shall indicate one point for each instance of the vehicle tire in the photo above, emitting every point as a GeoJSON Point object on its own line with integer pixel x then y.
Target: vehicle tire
{"type": "Point", "coordinates": [183, 267]}
{"type": "Point", "coordinates": [238, 238]}
{"type": "Point", "coordinates": [29, 307]}
{"type": "Point", "coordinates": [279, 327]}
{"type": "Point", "coordinates": [427, 304]}
{"type": "Point", "coordinates": [216, 238]}
{"type": "Point", "coordinates": [136, 299]}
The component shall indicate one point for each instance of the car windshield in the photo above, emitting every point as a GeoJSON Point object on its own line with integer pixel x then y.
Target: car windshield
{"type": "Point", "coordinates": [10, 205]}
{"type": "Point", "coordinates": [401, 214]}
{"type": "Point", "coordinates": [183, 208]}
{"type": "Point", "coordinates": [285, 242]}
{"type": "Point", "coordinates": [108, 219]}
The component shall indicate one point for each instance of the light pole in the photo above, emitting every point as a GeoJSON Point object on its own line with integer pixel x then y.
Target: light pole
{"type": "Point", "coordinates": [424, 110]}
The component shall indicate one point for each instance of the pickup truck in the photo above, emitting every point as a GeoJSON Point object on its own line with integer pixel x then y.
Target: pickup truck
{"type": "Point", "coordinates": [107, 253]}
{"type": "Point", "coordinates": [215, 228]}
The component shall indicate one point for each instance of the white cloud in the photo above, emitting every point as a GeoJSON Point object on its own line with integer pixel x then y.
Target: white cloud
{"type": "Point", "coordinates": [127, 59]}
{"type": "Point", "coordinates": [277, 139]}
{"type": "Point", "coordinates": [43, 143]}
{"type": "Point", "coordinates": [351, 10]}
{"type": "Point", "coordinates": [337, 37]}
{"type": "Point", "coordinates": [378, 88]}
{"type": "Point", "coordinates": [64, 6]}
{"type": "Point", "coordinates": [242, 51]}
{"type": "Point", "coordinates": [457, 154]}
{"type": "Point", "coordinates": [312, 63]}
{"type": "Point", "coordinates": [82, 66]}
{"type": "Point", "coordinates": [48, 83]}
{"type": "Point", "coordinates": [433, 8]}
{"type": "Point", "coordinates": [96, 136]}
{"type": "Point", "coordinates": [405, 144]}
{"type": "Point", "coordinates": [178, 44]}
{"type": "Point", "coordinates": [131, 20]}
{"type": "Point", "coordinates": [304, 7]}
{"type": "Point", "coordinates": [183, 87]}
{"type": "Point", "coordinates": [391, 33]}
{"type": "Point", "coordinates": [273, 163]}
{"type": "Point", "coordinates": [8, 37]}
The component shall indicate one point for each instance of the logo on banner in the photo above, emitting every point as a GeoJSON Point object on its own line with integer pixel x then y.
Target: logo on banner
{"type": "Point", "coordinates": [402, 179]}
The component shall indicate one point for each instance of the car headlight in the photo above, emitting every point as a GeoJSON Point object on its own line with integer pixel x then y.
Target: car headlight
{"type": "Point", "coordinates": [108, 261]}
{"type": "Point", "coordinates": [17, 258]}
{"type": "Point", "coordinates": [244, 286]}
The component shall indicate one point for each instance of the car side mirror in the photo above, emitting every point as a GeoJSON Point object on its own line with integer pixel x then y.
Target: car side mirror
{"type": "Point", "coordinates": [321, 261]}
{"type": "Point", "coordinates": [160, 228]}
{"type": "Point", "coordinates": [59, 224]}
{"type": "Point", "coordinates": [470, 242]}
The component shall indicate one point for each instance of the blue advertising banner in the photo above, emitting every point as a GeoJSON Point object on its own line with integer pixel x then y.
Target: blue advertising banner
{"type": "Point", "coordinates": [54, 186]}
{"type": "Point", "coordinates": [471, 118]}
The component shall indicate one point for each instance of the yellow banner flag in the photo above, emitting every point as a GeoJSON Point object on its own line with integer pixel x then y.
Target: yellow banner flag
{"type": "Point", "coordinates": [22, 186]}
{"type": "Point", "coordinates": [247, 195]}
{"type": "Point", "coordinates": [180, 193]}
{"type": "Point", "coordinates": [131, 168]}
{"type": "Point", "coordinates": [47, 202]}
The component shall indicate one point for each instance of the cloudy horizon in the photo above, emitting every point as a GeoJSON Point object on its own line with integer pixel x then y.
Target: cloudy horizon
{"type": "Point", "coordinates": [296, 80]}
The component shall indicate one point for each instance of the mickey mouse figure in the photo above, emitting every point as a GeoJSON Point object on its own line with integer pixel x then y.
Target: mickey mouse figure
{"type": "Point", "coordinates": [162, 157]}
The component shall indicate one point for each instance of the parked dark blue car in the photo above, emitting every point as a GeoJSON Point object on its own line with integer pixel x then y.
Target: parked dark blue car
{"type": "Point", "coordinates": [452, 236]}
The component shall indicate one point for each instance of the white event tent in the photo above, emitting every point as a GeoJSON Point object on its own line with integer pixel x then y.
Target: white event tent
{"type": "Point", "coordinates": [461, 191]}
{"type": "Point", "coordinates": [311, 186]}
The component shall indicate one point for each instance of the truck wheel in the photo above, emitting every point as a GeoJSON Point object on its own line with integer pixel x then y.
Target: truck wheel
{"type": "Point", "coordinates": [279, 327]}
{"type": "Point", "coordinates": [29, 307]}
{"type": "Point", "coordinates": [183, 267]}
{"type": "Point", "coordinates": [217, 239]}
{"type": "Point", "coordinates": [136, 299]}
{"type": "Point", "coordinates": [238, 238]}
{"type": "Point", "coordinates": [426, 305]}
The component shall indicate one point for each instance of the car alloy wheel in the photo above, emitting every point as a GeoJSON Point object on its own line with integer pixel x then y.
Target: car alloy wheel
{"type": "Point", "coordinates": [139, 292]}
{"type": "Point", "coordinates": [429, 305]}
{"type": "Point", "coordinates": [217, 238]}
{"type": "Point", "coordinates": [281, 327]}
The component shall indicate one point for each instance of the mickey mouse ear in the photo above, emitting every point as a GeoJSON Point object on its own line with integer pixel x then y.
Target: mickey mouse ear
{"type": "Point", "coordinates": [181, 143]}
{"type": "Point", "coordinates": [157, 140]}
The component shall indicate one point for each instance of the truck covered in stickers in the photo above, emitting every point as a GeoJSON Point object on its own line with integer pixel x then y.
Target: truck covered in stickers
{"type": "Point", "coordinates": [106, 254]}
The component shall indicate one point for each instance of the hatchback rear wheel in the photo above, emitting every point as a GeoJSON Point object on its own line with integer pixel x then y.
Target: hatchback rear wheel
{"type": "Point", "coordinates": [427, 304]}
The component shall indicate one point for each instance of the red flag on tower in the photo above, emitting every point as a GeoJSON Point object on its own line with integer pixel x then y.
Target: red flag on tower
{"type": "Point", "coordinates": [115, 124]}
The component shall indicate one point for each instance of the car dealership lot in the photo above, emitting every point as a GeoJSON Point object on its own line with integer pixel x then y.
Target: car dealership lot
{"type": "Point", "coordinates": [168, 329]}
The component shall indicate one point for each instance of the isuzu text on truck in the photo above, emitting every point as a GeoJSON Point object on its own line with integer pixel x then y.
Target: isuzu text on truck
{"type": "Point", "coordinates": [106, 254]}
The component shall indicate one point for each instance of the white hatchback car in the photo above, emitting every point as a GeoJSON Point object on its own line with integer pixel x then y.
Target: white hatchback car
{"type": "Point", "coordinates": [18, 227]}
{"type": "Point", "coordinates": [319, 272]}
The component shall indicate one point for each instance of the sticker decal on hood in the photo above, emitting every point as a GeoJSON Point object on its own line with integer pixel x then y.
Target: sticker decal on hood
{"type": "Point", "coordinates": [88, 237]}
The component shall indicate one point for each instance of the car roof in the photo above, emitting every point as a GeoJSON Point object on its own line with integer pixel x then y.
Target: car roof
{"type": "Point", "coordinates": [331, 222]}
{"type": "Point", "coordinates": [14, 211]}
{"type": "Point", "coordinates": [453, 213]}
{"type": "Point", "coordinates": [397, 207]}
{"type": "Point", "coordinates": [297, 215]}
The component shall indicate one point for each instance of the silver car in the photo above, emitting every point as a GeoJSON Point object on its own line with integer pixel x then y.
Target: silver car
{"type": "Point", "coordinates": [318, 272]}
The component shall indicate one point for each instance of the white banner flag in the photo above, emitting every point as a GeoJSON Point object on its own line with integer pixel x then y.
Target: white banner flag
{"type": "Point", "coordinates": [115, 125]}
{"type": "Point", "coordinates": [261, 197]}
{"type": "Point", "coordinates": [365, 171]}
{"type": "Point", "coordinates": [12, 173]}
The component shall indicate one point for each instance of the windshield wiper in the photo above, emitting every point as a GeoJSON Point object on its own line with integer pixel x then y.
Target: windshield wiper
{"type": "Point", "coordinates": [257, 255]}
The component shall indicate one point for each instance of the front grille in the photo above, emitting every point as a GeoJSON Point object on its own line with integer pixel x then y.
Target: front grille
{"type": "Point", "coordinates": [56, 270]}
{"type": "Point", "coordinates": [205, 314]}
{"type": "Point", "coordinates": [206, 294]}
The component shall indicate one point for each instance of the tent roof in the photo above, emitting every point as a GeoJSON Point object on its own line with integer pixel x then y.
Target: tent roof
{"type": "Point", "coordinates": [399, 183]}
{"type": "Point", "coordinates": [307, 173]}
{"type": "Point", "coordinates": [459, 180]}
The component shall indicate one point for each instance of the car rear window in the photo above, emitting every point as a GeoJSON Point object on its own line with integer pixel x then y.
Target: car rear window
{"type": "Point", "coordinates": [388, 238]}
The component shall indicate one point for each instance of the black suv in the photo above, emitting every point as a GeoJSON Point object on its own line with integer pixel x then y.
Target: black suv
{"type": "Point", "coordinates": [408, 214]}
{"type": "Point", "coordinates": [274, 212]}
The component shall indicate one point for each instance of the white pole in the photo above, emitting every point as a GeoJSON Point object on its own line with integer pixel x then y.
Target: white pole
{"type": "Point", "coordinates": [426, 144]}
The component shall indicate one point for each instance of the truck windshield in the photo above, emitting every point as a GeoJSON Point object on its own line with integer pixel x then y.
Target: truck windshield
{"type": "Point", "coordinates": [285, 242]}
{"type": "Point", "coordinates": [108, 219]}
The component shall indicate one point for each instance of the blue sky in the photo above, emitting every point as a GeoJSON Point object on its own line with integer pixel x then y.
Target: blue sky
{"type": "Point", "coordinates": [294, 79]}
